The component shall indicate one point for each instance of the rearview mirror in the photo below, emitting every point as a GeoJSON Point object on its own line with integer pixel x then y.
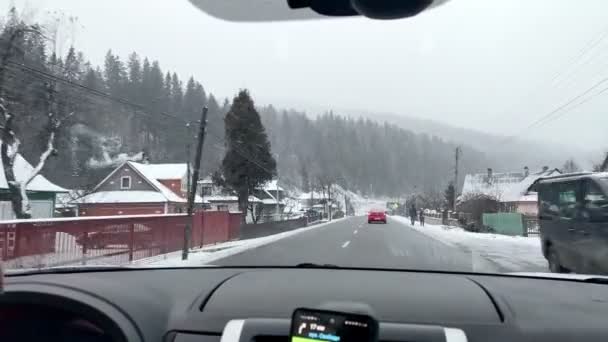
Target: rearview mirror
{"type": "Point", "coordinates": [282, 10]}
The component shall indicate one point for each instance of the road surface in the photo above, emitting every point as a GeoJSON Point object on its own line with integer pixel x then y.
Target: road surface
{"type": "Point", "coordinates": [352, 242]}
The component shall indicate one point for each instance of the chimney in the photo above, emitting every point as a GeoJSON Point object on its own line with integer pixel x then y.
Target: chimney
{"type": "Point", "coordinates": [489, 175]}
{"type": "Point", "coordinates": [545, 168]}
{"type": "Point", "coordinates": [144, 158]}
{"type": "Point", "coordinates": [526, 171]}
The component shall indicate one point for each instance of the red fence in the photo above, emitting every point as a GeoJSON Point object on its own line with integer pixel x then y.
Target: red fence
{"type": "Point", "coordinates": [107, 240]}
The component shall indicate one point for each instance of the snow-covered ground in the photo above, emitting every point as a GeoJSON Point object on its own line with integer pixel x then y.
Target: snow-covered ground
{"type": "Point", "coordinates": [208, 254]}
{"type": "Point", "coordinates": [511, 253]}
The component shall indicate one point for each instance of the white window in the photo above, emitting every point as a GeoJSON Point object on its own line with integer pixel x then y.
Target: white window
{"type": "Point", "coordinates": [125, 182]}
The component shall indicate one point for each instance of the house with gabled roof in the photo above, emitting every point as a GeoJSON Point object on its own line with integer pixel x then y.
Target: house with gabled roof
{"type": "Point", "coordinates": [509, 189]}
{"type": "Point", "coordinates": [264, 199]}
{"type": "Point", "coordinates": [137, 189]}
{"type": "Point", "coordinates": [40, 191]}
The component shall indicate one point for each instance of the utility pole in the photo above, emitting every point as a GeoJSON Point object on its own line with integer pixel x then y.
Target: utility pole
{"type": "Point", "coordinates": [278, 192]}
{"type": "Point", "coordinates": [329, 200]}
{"type": "Point", "coordinates": [458, 152]}
{"type": "Point", "coordinates": [345, 205]}
{"type": "Point", "coordinates": [194, 182]}
{"type": "Point", "coordinates": [188, 160]}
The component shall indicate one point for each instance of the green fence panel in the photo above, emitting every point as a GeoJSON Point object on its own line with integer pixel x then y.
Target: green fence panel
{"type": "Point", "coordinates": [506, 223]}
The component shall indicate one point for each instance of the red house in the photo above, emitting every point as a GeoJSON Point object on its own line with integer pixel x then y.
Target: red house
{"type": "Point", "coordinates": [138, 189]}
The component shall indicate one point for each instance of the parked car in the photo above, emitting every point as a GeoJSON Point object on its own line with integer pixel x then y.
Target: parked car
{"type": "Point", "coordinates": [119, 235]}
{"type": "Point", "coordinates": [376, 216]}
{"type": "Point", "coordinates": [573, 218]}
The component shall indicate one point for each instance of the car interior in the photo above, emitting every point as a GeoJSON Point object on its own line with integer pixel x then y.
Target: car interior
{"type": "Point", "coordinates": [264, 304]}
{"type": "Point", "coordinates": [256, 304]}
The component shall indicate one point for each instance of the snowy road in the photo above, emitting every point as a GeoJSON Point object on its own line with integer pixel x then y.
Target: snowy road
{"type": "Point", "coordinates": [354, 243]}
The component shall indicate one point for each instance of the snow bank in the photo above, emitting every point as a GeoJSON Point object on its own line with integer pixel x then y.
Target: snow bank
{"type": "Point", "coordinates": [208, 254]}
{"type": "Point", "coordinates": [510, 253]}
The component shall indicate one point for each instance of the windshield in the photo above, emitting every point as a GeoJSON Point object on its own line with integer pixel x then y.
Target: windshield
{"type": "Point", "coordinates": [151, 133]}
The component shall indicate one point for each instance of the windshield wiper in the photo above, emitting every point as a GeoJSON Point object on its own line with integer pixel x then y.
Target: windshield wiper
{"type": "Point", "coordinates": [313, 265]}
{"type": "Point", "coordinates": [593, 280]}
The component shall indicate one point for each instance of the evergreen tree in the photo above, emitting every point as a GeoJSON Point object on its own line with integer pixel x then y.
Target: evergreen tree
{"type": "Point", "coordinates": [190, 102]}
{"type": "Point", "coordinates": [450, 196]}
{"type": "Point", "coordinates": [177, 95]}
{"type": "Point", "coordinates": [357, 152]}
{"type": "Point", "coordinates": [248, 162]}
{"type": "Point", "coordinates": [305, 178]}
{"type": "Point", "coordinates": [135, 77]}
{"type": "Point", "coordinates": [115, 74]}
{"type": "Point", "coordinates": [72, 70]}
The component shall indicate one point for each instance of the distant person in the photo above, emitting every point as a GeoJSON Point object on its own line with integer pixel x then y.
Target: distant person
{"type": "Point", "coordinates": [413, 213]}
{"type": "Point", "coordinates": [421, 217]}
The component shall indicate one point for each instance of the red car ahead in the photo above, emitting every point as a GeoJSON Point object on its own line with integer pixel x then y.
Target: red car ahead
{"type": "Point", "coordinates": [376, 216]}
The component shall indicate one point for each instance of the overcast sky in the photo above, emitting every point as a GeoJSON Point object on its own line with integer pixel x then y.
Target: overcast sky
{"type": "Point", "coordinates": [489, 65]}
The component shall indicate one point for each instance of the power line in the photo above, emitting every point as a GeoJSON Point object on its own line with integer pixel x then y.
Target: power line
{"type": "Point", "coordinates": [588, 47]}
{"type": "Point", "coordinates": [143, 110]}
{"type": "Point", "coordinates": [552, 114]}
{"type": "Point", "coordinates": [580, 103]}
{"type": "Point", "coordinates": [591, 44]}
{"type": "Point", "coordinates": [48, 76]}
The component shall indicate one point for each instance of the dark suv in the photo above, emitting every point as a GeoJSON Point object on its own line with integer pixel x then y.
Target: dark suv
{"type": "Point", "coordinates": [573, 217]}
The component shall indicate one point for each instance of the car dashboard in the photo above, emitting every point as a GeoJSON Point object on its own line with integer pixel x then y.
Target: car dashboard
{"type": "Point", "coordinates": [255, 305]}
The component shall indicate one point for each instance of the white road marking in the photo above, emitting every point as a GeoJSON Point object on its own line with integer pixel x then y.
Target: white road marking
{"type": "Point", "coordinates": [345, 244]}
{"type": "Point", "coordinates": [355, 232]}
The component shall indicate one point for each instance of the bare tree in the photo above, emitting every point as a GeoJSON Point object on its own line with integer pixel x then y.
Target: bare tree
{"type": "Point", "coordinates": [9, 150]}
{"type": "Point", "coordinates": [603, 166]}
{"type": "Point", "coordinates": [255, 211]}
{"type": "Point", "coordinates": [476, 204]}
{"type": "Point", "coordinates": [9, 146]}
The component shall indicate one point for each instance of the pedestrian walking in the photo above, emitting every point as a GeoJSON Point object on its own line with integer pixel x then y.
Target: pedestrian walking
{"type": "Point", "coordinates": [413, 213]}
{"type": "Point", "coordinates": [421, 218]}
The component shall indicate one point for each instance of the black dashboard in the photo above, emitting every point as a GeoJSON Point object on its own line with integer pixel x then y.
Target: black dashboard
{"type": "Point", "coordinates": [255, 304]}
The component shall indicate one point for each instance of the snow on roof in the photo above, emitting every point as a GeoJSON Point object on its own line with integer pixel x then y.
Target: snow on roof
{"type": "Point", "coordinates": [130, 196]}
{"type": "Point", "coordinates": [307, 195]}
{"type": "Point", "coordinates": [505, 187]}
{"type": "Point", "coordinates": [272, 186]}
{"type": "Point", "coordinates": [494, 186]}
{"type": "Point", "coordinates": [269, 201]}
{"type": "Point", "coordinates": [519, 190]}
{"type": "Point", "coordinates": [162, 171]}
{"type": "Point", "coordinates": [134, 196]}
{"type": "Point", "coordinates": [229, 198]}
{"type": "Point", "coordinates": [206, 181]}
{"type": "Point", "coordinates": [150, 171]}
{"type": "Point", "coordinates": [22, 169]}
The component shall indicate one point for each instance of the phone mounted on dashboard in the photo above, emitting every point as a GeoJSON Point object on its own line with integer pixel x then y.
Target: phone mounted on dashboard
{"type": "Point", "coordinates": [319, 325]}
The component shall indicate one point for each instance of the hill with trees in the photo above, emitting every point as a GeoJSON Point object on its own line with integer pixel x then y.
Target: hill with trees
{"type": "Point", "coordinates": [130, 107]}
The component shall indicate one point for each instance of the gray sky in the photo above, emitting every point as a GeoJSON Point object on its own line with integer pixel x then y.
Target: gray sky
{"type": "Point", "coordinates": [486, 65]}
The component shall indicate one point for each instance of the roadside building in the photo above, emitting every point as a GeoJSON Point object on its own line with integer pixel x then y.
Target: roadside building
{"type": "Point", "coordinates": [138, 189]}
{"type": "Point", "coordinates": [41, 192]}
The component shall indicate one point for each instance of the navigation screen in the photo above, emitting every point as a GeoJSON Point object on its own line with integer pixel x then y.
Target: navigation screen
{"type": "Point", "coordinates": [309, 325]}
